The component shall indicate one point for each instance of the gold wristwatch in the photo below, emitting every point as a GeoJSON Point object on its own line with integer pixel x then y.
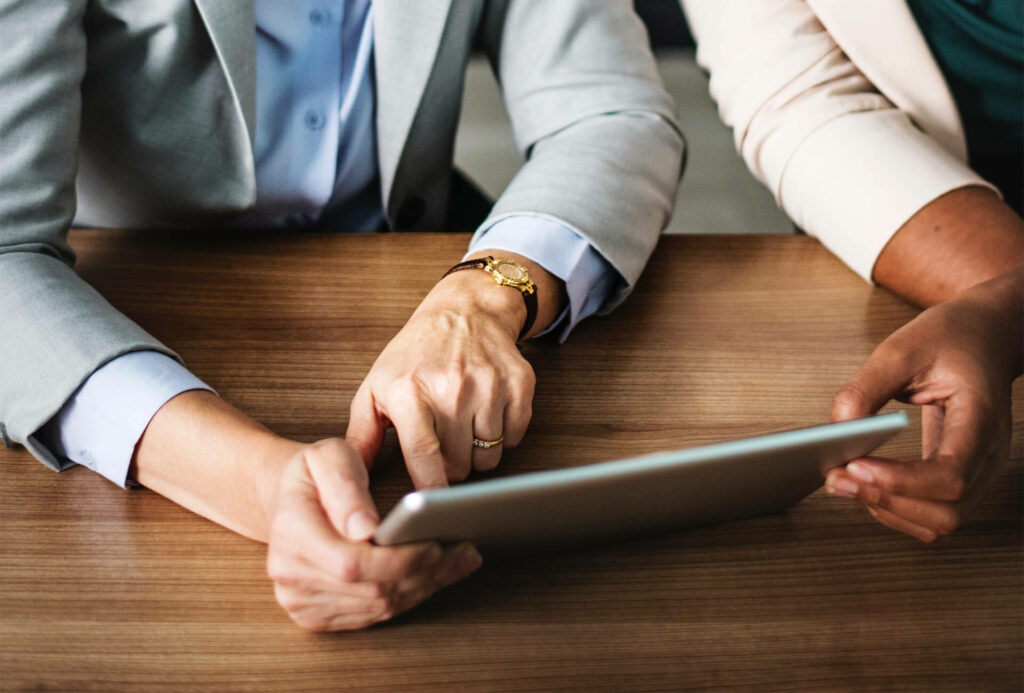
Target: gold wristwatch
{"type": "Point", "coordinates": [507, 273]}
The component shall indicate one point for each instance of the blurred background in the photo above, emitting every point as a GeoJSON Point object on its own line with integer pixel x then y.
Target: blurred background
{"type": "Point", "coordinates": [718, 194]}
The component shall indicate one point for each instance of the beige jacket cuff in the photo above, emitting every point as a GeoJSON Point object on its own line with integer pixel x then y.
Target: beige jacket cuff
{"type": "Point", "coordinates": [889, 171]}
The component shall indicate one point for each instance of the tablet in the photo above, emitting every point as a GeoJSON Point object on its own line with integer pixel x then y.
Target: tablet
{"type": "Point", "coordinates": [658, 492]}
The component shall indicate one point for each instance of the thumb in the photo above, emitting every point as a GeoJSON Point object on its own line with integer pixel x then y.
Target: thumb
{"type": "Point", "coordinates": [365, 426]}
{"type": "Point", "coordinates": [885, 375]}
{"type": "Point", "coordinates": [343, 486]}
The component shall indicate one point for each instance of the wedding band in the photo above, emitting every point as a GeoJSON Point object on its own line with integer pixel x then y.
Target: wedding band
{"type": "Point", "coordinates": [485, 444]}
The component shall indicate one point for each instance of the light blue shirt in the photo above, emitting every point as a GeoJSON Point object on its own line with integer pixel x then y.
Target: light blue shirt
{"type": "Point", "coordinates": [315, 154]}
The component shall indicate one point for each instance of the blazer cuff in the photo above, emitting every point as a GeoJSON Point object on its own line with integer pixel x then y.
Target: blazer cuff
{"type": "Point", "coordinates": [885, 170]}
{"type": "Point", "coordinates": [103, 421]}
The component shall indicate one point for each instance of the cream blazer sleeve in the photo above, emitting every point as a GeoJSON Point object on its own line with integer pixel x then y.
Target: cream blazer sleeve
{"type": "Point", "coordinates": [843, 162]}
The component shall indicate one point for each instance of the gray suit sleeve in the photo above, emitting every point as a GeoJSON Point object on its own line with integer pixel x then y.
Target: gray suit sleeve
{"type": "Point", "coordinates": [603, 149]}
{"type": "Point", "coordinates": [56, 330]}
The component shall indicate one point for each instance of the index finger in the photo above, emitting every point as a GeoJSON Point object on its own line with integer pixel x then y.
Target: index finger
{"type": "Point", "coordinates": [414, 422]}
{"type": "Point", "coordinates": [884, 376]}
{"type": "Point", "coordinates": [365, 426]}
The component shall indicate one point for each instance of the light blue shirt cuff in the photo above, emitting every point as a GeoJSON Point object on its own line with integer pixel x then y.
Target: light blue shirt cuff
{"type": "Point", "coordinates": [100, 425]}
{"type": "Point", "coordinates": [588, 277]}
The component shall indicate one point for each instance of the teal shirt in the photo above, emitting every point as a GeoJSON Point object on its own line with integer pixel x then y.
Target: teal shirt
{"type": "Point", "coordinates": [979, 46]}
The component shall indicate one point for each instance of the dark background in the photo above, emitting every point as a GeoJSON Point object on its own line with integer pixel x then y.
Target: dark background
{"type": "Point", "coordinates": [665, 23]}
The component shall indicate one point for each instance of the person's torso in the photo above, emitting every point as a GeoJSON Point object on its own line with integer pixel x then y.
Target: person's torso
{"type": "Point", "coordinates": [170, 119]}
{"type": "Point", "coordinates": [314, 143]}
{"type": "Point", "coordinates": [979, 46]}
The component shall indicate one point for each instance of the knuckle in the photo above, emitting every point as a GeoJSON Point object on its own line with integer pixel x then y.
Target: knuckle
{"type": "Point", "coordinates": [523, 406]}
{"type": "Point", "coordinates": [279, 535]}
{"type": "Point", "coordinates": [288, 599]}
{"type": "Point", "coordinates": [383, 607]}
{"type": "Point", "coordinates": [312, 623]}
{"type": "Point", "coordinates": [947, 523]}
{"type": "Point", "coordinates": [405, 390]}
{"type": "Point", "coordinates": [528, 376]}
{"type": "Point", "coordinates": [355, 407]}
{"type": "Point", "coordinates": [278, 568]}
{"type": "Point", "coordinates": [956, 489]}
{"type": "Point", "coordinates": [521, 410]}
{"type": "Point", "coordinates": [450, 388]}
{"type": "Point", "coordinates": [525, 377]}
{"type": "Point", "coordinates": [892, 351]}
{"type": "Point", "coordinates": [331, 447]}
{"type": "Point", "coordinates": [876, 497]}
{"type": "Point", "coordinates": [288, 580]}
{"type": "Point", "coordinates": [348, 569]}
{"type": "Point", "coordinates": [892, 483]}
{"type": "Point", "coordinates": [329, 456]}
{"type": "Point", "coordinates": [373, 591]}
{"type": "Point", "coordinates": [487, 380]}
{"type": "Point", "coordinates": [427, 446]}
{"type": "Point", "coordinates": [283, 533]}
{"type": "Point", "coordinates": [890, 480]}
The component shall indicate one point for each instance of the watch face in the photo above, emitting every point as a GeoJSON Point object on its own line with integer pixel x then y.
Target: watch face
{"type": "Point", "coordinates": [512, 272]}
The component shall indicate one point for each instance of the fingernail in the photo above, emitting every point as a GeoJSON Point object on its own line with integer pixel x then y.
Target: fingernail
{"type": "Point", "coordinates": [841, 486]}
{"type": "Point", "coordinates": [360, 525]}
{"type": "Point", "coordinates": [469, 558]}
{"type": "Point", "coordinates": [860, 471]}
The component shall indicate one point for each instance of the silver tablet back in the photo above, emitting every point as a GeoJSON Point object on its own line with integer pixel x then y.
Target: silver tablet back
{"type": "Point", "coordinates": [667, 490]}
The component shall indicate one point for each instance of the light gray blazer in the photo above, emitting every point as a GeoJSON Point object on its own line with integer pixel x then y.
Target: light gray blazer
{"type": "Point", "coordinates": [142, 112]}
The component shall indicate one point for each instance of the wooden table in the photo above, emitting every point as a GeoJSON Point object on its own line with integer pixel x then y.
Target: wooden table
{"type": "Point", "coordinates": [106, 590]}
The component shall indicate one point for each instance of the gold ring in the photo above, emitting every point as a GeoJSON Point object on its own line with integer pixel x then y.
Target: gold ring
{"type": "Point", "coordinates": [485, 444]}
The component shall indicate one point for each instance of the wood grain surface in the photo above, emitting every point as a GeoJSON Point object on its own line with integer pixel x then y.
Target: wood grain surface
{"type": "Point", "coordinates": [107, 590]}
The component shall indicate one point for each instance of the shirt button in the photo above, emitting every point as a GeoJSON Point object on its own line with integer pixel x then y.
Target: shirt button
{"type": "Point", "coordinates": [314, 120]}
{"type": "Point", "coordinates": [319, 17]}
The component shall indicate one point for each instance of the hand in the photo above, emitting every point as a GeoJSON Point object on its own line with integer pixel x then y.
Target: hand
{"type": "Point", "coordinates": [451, 374]}
{"type": "Point", "coordinates": [957, 360]}
{"type": "Point", "coordinates": [326, 575]}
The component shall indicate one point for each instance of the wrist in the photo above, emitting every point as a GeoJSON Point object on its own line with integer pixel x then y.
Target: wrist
{"type": "Point", "coordinates": [272, 457]}
{"type": "Point", "coordinates": [209, 457]}
{"type": "Point", "coordinates": [504, 303]}
{"type": "Point", "coordinates": [1007, 295]}
{"type": "Point", "coordinates": [474, 292]}
{"type": "Point", "coordinates": [998, 304]}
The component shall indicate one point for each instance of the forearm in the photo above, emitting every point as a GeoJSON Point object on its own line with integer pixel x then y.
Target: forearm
{"type": "Point", "coordinates": [961, 239]}
{"type": "Point", "coordinates": [205, 455]}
